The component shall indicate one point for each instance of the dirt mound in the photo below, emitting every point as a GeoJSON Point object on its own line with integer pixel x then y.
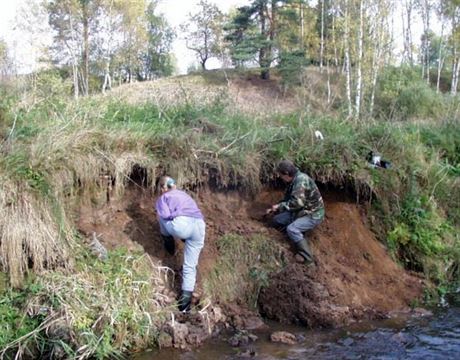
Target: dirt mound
{"type": "Point", "coordinates": [354, 276]}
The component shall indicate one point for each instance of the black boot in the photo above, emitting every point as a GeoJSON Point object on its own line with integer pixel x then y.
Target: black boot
{"type": "Point", "coordinates": [185, 301]}
{"type": "Point", "coordinates": [304, 250]}
{"type": "Point", "coordinates": [169, 244]}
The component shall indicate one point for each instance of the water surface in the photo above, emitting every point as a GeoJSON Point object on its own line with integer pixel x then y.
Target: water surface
{"type": "Point", "coordinates": [432, 337]}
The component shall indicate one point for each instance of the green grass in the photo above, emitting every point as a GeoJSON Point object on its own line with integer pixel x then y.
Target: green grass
{"type": "Point", "coordinates": [101, 311]}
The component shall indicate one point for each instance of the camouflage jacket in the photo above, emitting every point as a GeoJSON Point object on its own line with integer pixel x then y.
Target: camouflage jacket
{"type": "Point", "coordinates": [303, 198]}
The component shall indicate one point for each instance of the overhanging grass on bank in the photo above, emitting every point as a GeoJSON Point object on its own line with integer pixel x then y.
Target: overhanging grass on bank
{"type": "Point", "coordinates": [72, 148]}
{"type": "Point", "coordinates": [66, 153]}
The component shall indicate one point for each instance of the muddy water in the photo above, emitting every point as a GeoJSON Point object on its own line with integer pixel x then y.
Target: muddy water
{"type": "Point", "coordinates": [433, 337]}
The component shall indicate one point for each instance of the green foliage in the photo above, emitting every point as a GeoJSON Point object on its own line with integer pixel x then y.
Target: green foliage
{"type": "Point", "coordinates": [102, 310]}
{"type": "Point", "coordinates": [424, 240]}
{"type": "Point", "coordinates": [445, 140]}
{"type": "Point", "coordinates": [18, 167]}
{"type": "Point", "coordinates": [402, 94]}
{"type": "Point", "coordinates": [13, 312]}
{"type": "Point", "coordinates": [51, 84]}
{"type": "Point", "coordinates": [290, 66]}
{"type": "Point", "coordinates": [203, 32]}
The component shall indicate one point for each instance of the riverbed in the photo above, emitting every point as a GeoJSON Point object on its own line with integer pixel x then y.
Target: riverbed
{"type": "Point", "coordinates": [434, 336]}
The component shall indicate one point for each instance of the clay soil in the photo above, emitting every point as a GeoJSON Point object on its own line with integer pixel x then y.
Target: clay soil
{"type": "Point", "coordinates": [354, 277]}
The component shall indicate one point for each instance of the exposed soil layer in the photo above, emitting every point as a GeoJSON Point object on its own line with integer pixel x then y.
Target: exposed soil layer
{"type": "Point", "coordinates": [354, 277]}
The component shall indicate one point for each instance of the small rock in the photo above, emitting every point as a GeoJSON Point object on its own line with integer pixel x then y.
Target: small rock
{"type": "Point", "coordinates": [347, 342]}
{"type": "Point", "coordinates": [165, 340]}
{"type": "Point", "coordinates": [242, 338]}
{"type": "Point", "coordinates": [421, 312]}
{"type": "Point", "coordinates": [283, 337]}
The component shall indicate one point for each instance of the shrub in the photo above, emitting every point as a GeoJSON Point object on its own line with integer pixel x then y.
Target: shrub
{"type": "Point", "coordinates": [402, 94]}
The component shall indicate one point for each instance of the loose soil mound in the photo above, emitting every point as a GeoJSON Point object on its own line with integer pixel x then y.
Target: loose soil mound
{"type": "Point", "coordinates": [354, 276]}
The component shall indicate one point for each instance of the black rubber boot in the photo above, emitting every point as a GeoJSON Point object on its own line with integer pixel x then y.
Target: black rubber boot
{"type": "Point", "coordinates": [304, 250]}
{"type": "Point", "coordinates": [185, 301]}
{"type": "Point", "coordinates": [169, 244]}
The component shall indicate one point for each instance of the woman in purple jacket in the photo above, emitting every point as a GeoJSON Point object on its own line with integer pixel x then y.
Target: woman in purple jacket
{"type": "Point", "coordinates": [179, 217]}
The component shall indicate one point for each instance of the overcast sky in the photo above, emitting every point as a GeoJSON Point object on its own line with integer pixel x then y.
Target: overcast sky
{"type": "Point", "coordinates": [176, 12]}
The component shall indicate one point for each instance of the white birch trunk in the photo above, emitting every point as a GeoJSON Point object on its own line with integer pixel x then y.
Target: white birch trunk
{"type": "Point", "coordinates": [359, 62]}
{"type": "Point", "coordinates": [321, 53]}
{"type": "Point", "coordinates": [440, 58]}
{"type": "Point", "coordinates": [408, 32]}
{"type": "Point", "coordinates": [336, 56]}
{"type": "Point", "coordinates": [455, 73]}
{"type": "Point", "coordinates": [302, 27]}
{"type": "Point", "coordinates": [329, 92]}
{"type": "Point", "coordinates": [377, 53]}
{"type": "Point", "coordinates": [107, 79]}
{"type": "Point", "coordinates": [347, 61]}
{"type": "Point", "coordinates": [455, 64]}
{"type": "Point", "coordinates": [74, 61]}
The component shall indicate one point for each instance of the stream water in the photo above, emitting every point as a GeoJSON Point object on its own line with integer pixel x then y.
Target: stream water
{"type": "Point", "coordinates": [430, 337]}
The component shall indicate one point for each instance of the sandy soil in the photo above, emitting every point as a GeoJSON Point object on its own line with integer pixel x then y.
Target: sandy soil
{"type": "Point", "coordinates": [354, 277]}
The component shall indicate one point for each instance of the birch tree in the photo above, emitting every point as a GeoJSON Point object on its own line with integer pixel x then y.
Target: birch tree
{"type": "Point", "coordinates": [451, 12]}
{"type": "Point", "coordinates": [359, 60]}
{"type": "Point", "coordinates": [425, 7]}
{"type": "Point", "coordinates": [204, 32]}
{"type": "Point", "coordinates": [72, 22]}
{"type": "Point", "coordinates": [64, 19]}
{"type": "Point", "coordinates": [5, 63]}
{"type": "Point", "coordinates": [407, 13]}
{"type": "Point", "coordinates": [441, 52]}
{"type": "Point", "coordinates": [347, 64]}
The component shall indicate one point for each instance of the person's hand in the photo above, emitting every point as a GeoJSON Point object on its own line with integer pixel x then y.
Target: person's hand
{"type": "Point", "coordinates": [272, 210]}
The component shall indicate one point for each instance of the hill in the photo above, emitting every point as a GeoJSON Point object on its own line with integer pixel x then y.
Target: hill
{"type": "Point", "coordinates": [76, 171]}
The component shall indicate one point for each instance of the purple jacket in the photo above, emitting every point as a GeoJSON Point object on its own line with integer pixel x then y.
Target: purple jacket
{"type": "Point", "coordinates": [175, 203]}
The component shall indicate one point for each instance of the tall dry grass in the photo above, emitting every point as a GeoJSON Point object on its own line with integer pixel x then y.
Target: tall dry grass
{"type": "Point", "coordinates": [30, 238]}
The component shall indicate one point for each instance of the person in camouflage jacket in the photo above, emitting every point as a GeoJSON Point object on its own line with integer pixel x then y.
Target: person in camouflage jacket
{"type": "Point", "coordinates": [301, 209]}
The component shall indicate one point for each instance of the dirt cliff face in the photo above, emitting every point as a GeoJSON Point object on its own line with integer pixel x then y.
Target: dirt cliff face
{"type": "Point", "coordinates": [354, 277]}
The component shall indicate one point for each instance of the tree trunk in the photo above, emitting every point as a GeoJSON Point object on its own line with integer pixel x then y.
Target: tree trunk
{"type": "Point", "coordinates": [440, 58]}
{"type": "Point", "coordinates": [74, 60]}
{"type": "Point", "coordinates": [334, 41]}
{"type": "Point", "coordinates": [107, 79]}
{"type": "Point", "coordinates": [455, 60]}
{"type": "Point", "coordinates": [359, 62]}
{"type": "Point", "coordinates": [347, 61]}
{"type": "Point", "coordinates": [408, 33]}
{"type": "Point", "coordinates": [425, 12]}
{"type": "Point", "coordinates": [302, 27]}
{"type": "Point", "coordinates": [321, 52]}
{"type": "Point", "coordinates": [85, 74]}
{"type": "Point", "coordinates": [75, 80]}
{"type": "Point", "coordinates": [377, 53]}
{"type": "Point", "coordinates": [455, 72]}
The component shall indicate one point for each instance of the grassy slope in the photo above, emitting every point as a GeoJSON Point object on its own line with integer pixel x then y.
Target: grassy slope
{"type": "Point", "coordinates": [199, 129]}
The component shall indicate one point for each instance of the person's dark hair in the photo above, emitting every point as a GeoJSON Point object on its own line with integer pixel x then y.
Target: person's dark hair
{"type": "Point", "coordinates": [286, 167]}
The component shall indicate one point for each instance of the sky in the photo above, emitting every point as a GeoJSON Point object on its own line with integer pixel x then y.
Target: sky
{"type": "Point", "coordinates": [23, 48]}
{"type": "Point", "coordinates": [176, 12]}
